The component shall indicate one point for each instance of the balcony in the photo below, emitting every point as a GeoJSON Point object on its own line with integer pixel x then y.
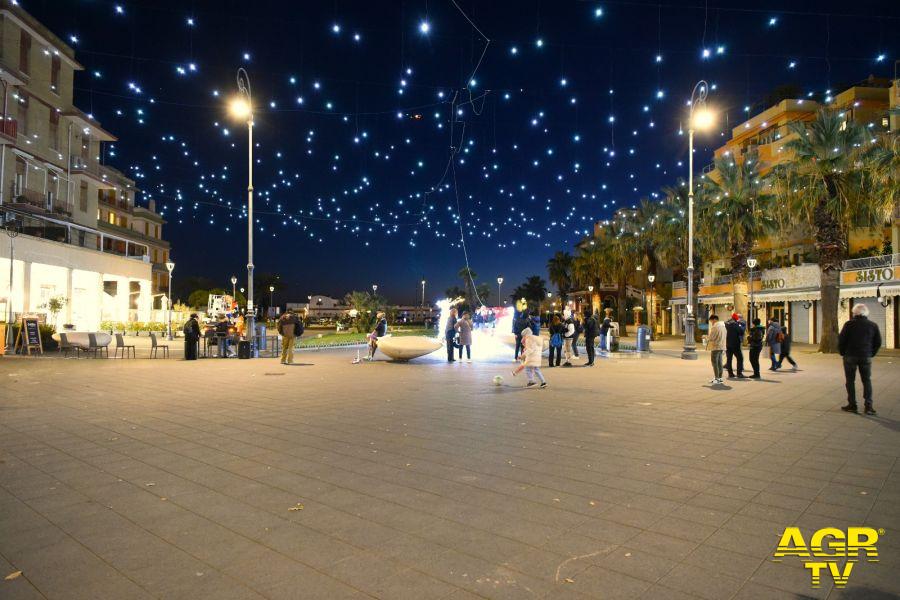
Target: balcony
{"type": "Point", "coordinates": [39, 200]}
{"type": "Point", "coordinates": [93, 168]}
{"type": "Point", "coordinates": [871, 262]}
{"type": "Point", "coordinates": [114, 202]}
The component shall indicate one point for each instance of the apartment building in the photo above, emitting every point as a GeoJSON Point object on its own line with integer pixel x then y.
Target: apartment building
{"type": "Point", "coordinates": [81, 235]}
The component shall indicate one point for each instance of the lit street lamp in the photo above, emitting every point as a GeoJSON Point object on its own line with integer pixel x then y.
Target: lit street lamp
{"type": "Point", "coordinates": [233, 284]}
{"type": "Point", "coordinates": [374, 288]}
{"type": "Point", "coordinates": [242, 108]}
{"type": "Point", "coordinates": [12, 230]}
{"type": "Point", "coordinates": [423, 292]}
{"type": "Point", "coordinates": [651, 309]}
{"type": "Point", "coordinates": [171, 267]}
{"type": "Point", "coordinates": [271, 296]}
{"type": "Point", "coordinates": [499, 294]}
{"type": "Point", "coordinates": [703, 119]}
{"type": "Point", "coordinates": [751, 262]}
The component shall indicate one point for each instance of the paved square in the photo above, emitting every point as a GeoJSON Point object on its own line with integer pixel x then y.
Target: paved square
{"type": "Point", "coordinates": [247, 479]}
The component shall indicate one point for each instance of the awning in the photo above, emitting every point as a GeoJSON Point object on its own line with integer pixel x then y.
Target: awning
{"type": "Point", "coordinates": [720, 299]}
{"type": "Point", "coordinates": [797, 295]}
{"type": "Point", "coordinates": [870, 291]}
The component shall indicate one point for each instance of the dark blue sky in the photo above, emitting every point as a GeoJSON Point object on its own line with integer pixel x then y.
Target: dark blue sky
{"type": "Point", "coordinates": [570, 115]}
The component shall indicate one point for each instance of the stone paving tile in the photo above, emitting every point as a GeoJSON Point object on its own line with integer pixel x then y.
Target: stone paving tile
{"type": "Point", "coordinates": [443, 487]}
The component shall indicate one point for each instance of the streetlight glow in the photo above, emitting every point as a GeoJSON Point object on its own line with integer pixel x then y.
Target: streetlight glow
{"type": "Point", "coordinates": [240, 108]}
{"type": "Point", "coordinates": [703, 119]}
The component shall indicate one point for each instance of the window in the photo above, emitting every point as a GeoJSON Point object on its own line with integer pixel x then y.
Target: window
{"type": "Point", "coordinates": [24, 52]}
{"type": "Point", "coordinates": [885, 122]}
{"type": "Point", "coordinates": [83, 198]}
{"type": "Point", "coordinates": [111, 218]}
{"type": "Point", "coordinates": [54, 74]}
{"type": "Point", "coordinates": [146, 229]}
{"type": "Point", "coordinates": [54, 129]}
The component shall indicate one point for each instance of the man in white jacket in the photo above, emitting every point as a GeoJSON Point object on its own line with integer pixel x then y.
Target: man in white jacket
{"type": "Point", "coordinates": [715, 343]}
{"type": "Point", "coordinates": [568, 340]}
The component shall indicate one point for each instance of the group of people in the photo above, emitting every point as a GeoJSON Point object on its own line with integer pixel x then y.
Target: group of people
{"type": "Point", "coordinates": [224, 331]}
{"type": "Point", "coordinates": [726, 340]}
{"type": "Point", "coordinates": [858, 342]}
{"type": "Point", "coordinates": [458, 335]}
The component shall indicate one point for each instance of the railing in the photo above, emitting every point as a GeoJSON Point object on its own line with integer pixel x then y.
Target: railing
{"type": "Point", "coordinates": [26, 196]}
{"type": "Point", "coordinates": [679, 285]}
{"type": "Point", "coordinates": [115, 203]}
{"type": "Point", "coordinates": [871, 262]}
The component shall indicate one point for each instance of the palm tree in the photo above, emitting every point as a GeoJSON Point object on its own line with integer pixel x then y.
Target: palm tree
{"type": "Point", "coordinates": [587, 266]}
{"type": "Point", "coordinates": [534, 290]}
{"type": "Point", "coordinates": [882, 163]}
{"type": "Point", "coordinates": [468, 276]}
{"type": "Point", "coordinates": [559, 270]}
{"type": "Point", "coordinates": [739, 203]}
{"type": "Point", "coordinates": [618, 259]}
{"type": "Point", "coordinates": [825, 186]}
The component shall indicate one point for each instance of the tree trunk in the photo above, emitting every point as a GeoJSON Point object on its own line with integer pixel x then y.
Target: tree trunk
{"type": "Point", "coordinates": [831, 246]}
{"type": "Point", "coordinates": [739, 282]}
{"type": "Point", "coordinates": [828, 342]}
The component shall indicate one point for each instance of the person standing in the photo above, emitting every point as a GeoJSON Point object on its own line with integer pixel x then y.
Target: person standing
{"type": "Point", "coordinates": [287, 327]}
{"type": "Point", "coordinates": [191, 337]}
{"type": "Point", "coordinates": [858, 342]}
{"type": "Point", "coordinates": [786, 349]}
{"type": "Point", "coordinates": [735, 328]}
{"type": "Point", "coordinates": [450, 334]}
{"type": "Point", "coordinates": [715, 343]}
{"type": "Point", "coordinates": [464, 328]}
{"type": "Point", "coordinates": [756, 337]}
{"type": "Point", "coordinates": [379, 332]}
{"type": "Point", "coordinates": [556, 331]}
{"type": "Point", "coordinates": [605, 328]}
{"type": "Point", "coordinates": [520, 323]}
{"type": "Point", "coordinates": [579, 329]}
{"type": "Point", "coordinates": [591, 329]}
{"type": "Point", "coordinates": [534, 347]}
{"type": "Point", "coordinates": [774, 337]}
{"type": "Point", "coordinates": [568, 339]}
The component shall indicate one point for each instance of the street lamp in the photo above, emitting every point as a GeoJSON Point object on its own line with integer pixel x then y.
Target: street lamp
{"type": "Point", "coordinates": [751, 262]}
{"type": "Point", "coordinates": [241, 107]}
{"type": "Point", "coordinates": [702, 119]}
{"type": "Point", "coordinates": [171, 267]}
{"type": "Point", "coordinates": [12, 230]}
{"type": "Point", "coordinates": [233, 289]}
{"type": "Point", "coordinates": [499, 293]}
{"type": "Point", "coordinates": [651, 309]}
{"type": "Point", "coordinates": [423, 292]}
{"type": "Point", "coordinates": [271, 296]}
{"type": "Point", "coordinates": [374, 288]}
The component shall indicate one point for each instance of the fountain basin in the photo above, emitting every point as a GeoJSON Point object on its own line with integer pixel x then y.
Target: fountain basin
{"type": "Point", "coordinates": [407, 347]}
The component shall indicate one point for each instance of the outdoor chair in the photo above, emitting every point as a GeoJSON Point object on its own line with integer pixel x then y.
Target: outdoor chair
{"type": "Point", "coordinates": [155, 347]}
{"type": "Point", "coordinates": [65, 347]}
{"type": "Point", "coordinates": [125, 348]}
{"type": "Point", "coordinates": [95, 348]}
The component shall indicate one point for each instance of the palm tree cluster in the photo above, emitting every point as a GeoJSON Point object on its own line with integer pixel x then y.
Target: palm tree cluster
{"type": "Point", "coordinates": [839, 176]}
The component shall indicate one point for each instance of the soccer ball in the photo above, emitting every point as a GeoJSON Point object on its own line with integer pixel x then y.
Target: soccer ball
{"type": "Point", "coordinates": [498, 380]}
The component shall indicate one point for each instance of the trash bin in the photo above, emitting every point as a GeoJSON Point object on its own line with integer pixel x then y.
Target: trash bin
{"type": "Point", "coordinates": [643, 339]}
{"type": "Point", "coordinates": [244, 349]}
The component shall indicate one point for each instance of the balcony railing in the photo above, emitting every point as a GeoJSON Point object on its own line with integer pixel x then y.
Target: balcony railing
{"type": "Point", "coordinates": [9, 128]}
{"type": "Point", "coordinates": [871, 262]}
{"type": "Point", "coordinates": [39, 200]}
{"type": "Point", "coordinates": [120, 203]}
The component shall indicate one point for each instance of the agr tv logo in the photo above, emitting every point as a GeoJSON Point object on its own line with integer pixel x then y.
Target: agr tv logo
{"type": "Point", "coordinates": [826, 546]}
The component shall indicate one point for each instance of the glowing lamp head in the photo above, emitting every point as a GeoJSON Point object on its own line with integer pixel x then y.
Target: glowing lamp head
{"type": "Point", "coordinates": [240, 108]}
{"type": "Point", "coordinates": [751, 262]}
{"type": "Point", "coordinates": [703, 118]}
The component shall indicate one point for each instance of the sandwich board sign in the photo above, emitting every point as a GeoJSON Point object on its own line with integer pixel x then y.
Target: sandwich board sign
{"type": "Point", "coordinates": [29, 336]}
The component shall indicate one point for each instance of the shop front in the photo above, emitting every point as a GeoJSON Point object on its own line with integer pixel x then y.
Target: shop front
{"type": "Point", "coordinates": [874, 282]}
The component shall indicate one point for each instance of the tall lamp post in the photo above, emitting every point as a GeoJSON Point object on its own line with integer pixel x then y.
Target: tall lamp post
{"type": "Point", "coordinates": [374, 288]}
{"type": "Point", "coordinates": [700, 119]}
{"type": "Point", "coordinates": [234, 287]}
{"type": "Point", "coordinates": [651, 309]}
{"type": "Point", "coordinates": [499, 293]}
{"type": "Point", "coordinates": [591, 298]}
{"type": "Point", "coordinates": [423, 292]}
{"type": "Point", "coordinates": [242, 108]}
{"type": "Point", "coordinates": [271, 297]}
{"type": "Point", "coordinates": [171, 267]}
{"type": "Point", "coordinates": [12, 231]}
{"type": "Point", "coordinates": [751, 262]}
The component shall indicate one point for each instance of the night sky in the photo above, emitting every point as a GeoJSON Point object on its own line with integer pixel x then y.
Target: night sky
{"type": "Point", "coordinates": [572, 110]}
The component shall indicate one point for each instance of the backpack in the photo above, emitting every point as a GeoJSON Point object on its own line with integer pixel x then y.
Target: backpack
{"type": "Point", "coordinates": [298, 328]}
{"type": "Point", "coordinates": [187, 329]}
{"type": "Point", "coordinates": [779, 337]}
{"type": "Point", "coordinates": [556, 341]}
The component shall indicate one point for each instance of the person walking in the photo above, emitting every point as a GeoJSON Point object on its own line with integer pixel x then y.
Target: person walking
{"type": "Point", "coordinates": [774, 337]}
{"type": "Point", "coordinates": [756, 338]}
{"type": "Point", "coordinates": [715, 343]}
{"type": "Point", "coordinates": [858, 342]}
{"type": "Point", "coordinates": [533, 348]}
{"type": "Point", "coordinates": [287, 327]}
{"type": "Point", "coordinates": [591, 330]}
{"type": "Point", "coordinates": [464, 329]}
{"type": "Point", "coordinates": [379, 332]}
{"type": "Point", "coordinates": [450, 334]}
{"type": "Point", "coordinates": [191, 337]}
{"type": "Point", "coordinates": [557, 331]}
{"type": "Point", "coordinates": [786, 349]}
{"type": "Point", "coordinates": [568, 338]}
{"type": "Point", "coordinates": [735, 328]}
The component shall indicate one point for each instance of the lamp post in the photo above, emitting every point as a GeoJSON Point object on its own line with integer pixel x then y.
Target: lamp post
{"type": "Point", "coordinates": [751, 262]}
{"type": "Point", "coordinates": [499, 293]}
{"type": "Point", "coordinates": [374, 288]}
{"type": "Point", "coordinates": [242, 108]}
{"type": "Point", "coordinates": [651, 309]}
{"type": "Point", "coordinates": [233, 287]}
{"type": "Point", "coordinates": [702, 120]}
{"type": "Point", "coordinates": [271, 296]}
{"type": "Point", "coordinates": [423, 292]}
{"type": "Point", "coordinates": [12, 231]}
{"type": "Point", "coordinates": [171, 267]}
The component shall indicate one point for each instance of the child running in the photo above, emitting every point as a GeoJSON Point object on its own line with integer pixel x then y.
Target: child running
{"type": "Point", "coordinates": [531, 358]}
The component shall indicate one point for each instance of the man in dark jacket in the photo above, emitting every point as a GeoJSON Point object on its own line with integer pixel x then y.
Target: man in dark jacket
{"type": "Point", "coordinates": [858, 342]}
{"type": "Point", "coordinates": [591, 331]}
{"type": "Point", "coordinates": [734, 337]}
{"type": "Point", "coordinates": [450, 335]}
{"type": "Point", "coordinates": [605, 328]}
{"type": "Point", "coordinates": [521, 322]}
{"type": "Point", "coordinates": [755, 338]}
{"type": "Point", "coordinates": [191, 337]}
{"type": "Point", "coordinates": [786, 349]}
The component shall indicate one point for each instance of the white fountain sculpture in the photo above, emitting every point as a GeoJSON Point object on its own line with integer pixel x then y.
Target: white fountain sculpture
{"type": "Point", "coordinates": [407, 347]}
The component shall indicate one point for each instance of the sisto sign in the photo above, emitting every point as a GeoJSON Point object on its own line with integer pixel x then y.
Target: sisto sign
{"type": "Point", "coordinates": [772, 284]}
{"type": "Point", "coordinates": [875, 275]}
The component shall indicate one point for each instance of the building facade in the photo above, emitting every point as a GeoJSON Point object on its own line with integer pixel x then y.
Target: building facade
{"type": "Point", "coordinates": [70, 210]}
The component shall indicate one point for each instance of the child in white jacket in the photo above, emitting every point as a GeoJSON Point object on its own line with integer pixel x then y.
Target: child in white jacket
{"type": "Point", "coordinates": [531, 358]}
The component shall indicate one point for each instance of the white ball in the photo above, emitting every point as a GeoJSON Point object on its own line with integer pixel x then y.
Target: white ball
{"type": "Point", "coordinates": [498, 380]}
